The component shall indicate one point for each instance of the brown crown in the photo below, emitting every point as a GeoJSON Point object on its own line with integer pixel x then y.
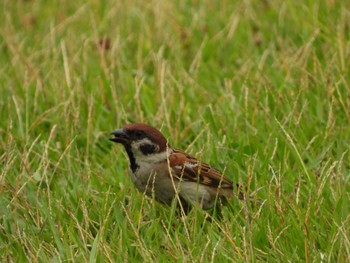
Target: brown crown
{"type": "Point", "coordinates": [152, 133]}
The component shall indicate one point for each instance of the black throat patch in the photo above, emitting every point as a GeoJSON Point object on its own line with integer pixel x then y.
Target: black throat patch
{"type": "Point", "coordinates": [133, 165]}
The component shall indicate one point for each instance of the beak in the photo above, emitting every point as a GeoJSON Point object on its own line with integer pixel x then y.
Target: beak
{"type": "Point", "coordinates": [120, 136]}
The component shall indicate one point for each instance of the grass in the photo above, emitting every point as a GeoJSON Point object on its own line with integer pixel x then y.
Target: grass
{"type": "Point", "coordinates": [258, 89]}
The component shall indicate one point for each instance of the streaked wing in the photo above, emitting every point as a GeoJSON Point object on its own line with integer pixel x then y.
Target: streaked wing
{"type": "Point", "coordinates": [188, 168]}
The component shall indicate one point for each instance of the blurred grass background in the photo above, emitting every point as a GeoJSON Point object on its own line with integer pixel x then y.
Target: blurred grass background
{"type": "Point", "coordinates": [258, 89]}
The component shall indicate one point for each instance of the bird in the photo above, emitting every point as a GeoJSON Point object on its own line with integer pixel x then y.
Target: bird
{"type": "Point", "coordinates": [165, 173]}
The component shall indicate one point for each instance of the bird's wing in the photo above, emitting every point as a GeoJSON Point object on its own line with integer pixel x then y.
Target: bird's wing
{"type": "Point", "coordinates": [188, 168]}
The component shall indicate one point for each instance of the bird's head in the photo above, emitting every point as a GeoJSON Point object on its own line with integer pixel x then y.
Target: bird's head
{"type": "Point", "coordinates": [141, 139]}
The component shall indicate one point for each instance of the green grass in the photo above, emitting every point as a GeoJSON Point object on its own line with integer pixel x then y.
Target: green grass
{"type": "Point", "coordinates": [259, 89]}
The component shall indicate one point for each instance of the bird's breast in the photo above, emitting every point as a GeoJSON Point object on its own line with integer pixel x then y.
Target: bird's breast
{"type": "Point", "coordinates": [154, 179]}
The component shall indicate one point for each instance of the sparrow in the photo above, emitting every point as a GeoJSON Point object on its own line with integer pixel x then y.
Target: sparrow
{"type": "Point", "coordinates": [165, 173]}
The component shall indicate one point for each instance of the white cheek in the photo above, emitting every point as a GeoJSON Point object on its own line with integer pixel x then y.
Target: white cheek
{"type": "Point", "coordinates": [135, 147]}
{"type": "Point", "coordinates": [146, 161]}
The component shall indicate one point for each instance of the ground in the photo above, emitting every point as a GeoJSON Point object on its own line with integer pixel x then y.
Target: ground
{"type": "Point", "coordinates": [258, 89]}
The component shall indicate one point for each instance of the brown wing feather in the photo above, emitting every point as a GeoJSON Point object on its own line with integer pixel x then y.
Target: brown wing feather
{"type": "Point", "coordinates": [190, 169]}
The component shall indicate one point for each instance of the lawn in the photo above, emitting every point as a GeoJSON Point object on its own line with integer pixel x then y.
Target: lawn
{"type": "Point", "coordinates": [258, 89]}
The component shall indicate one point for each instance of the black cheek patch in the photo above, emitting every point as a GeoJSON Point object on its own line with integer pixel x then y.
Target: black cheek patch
{"type": "Point", "coordinates": [147, 149]}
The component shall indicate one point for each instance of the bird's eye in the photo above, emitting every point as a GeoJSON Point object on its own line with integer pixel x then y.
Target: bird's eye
{"type": "Point", "coordinates": [138, 134]}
